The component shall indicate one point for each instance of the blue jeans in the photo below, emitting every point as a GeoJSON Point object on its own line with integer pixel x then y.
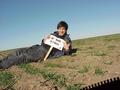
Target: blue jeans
{"type": "Point", "coordinates": [24, 55]}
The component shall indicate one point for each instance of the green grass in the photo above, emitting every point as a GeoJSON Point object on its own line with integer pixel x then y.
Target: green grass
{"type": "Point", "coordinates": [111, 47]}
{"type": "Point", "coordinates": [85, 69]}
{"type": "Point", "coordinates": [114, 37]}
{"type": "Point", "coordinates": [98, 53]}
{"type": "Point", "coordinates": [6, 79]}
{"type": "Point", "coordinates": [53, 65]}
{"type": "Point", "coordinates": [74, 86]}
{"type": "Point", "coordinates": [57, 79]}
{"type": "Point", "coordinates": [90, 47]}
{"type": "Point", "coordinates": [99, 71]}
{"type": "Point", "coordinates": [29, 69]}
{"type": "Point", "coordinates": [108, 62]}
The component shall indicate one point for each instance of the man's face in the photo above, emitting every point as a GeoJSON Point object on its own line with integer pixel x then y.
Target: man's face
{"type": "Point", "coordinates": [61, 31]}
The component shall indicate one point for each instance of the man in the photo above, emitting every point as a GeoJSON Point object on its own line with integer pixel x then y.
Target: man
{"type": "Point", "coordinates": [38, 52]}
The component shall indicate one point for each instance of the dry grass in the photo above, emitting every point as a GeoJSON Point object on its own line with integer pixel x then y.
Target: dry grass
{"type": "Point", "coordinates": [96, 59]}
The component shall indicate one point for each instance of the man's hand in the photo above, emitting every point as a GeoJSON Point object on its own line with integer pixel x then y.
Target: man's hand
{"type": "Point", "coordinates": [46, 38]}
{"type": "Point", "coordinates": [66, 46]}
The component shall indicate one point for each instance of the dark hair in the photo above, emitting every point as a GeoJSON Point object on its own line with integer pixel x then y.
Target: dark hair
{"type": "Point", "coordinates": [62, 24]}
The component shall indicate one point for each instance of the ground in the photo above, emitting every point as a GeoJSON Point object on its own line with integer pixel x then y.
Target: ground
{"type": "Point", "coordinates": [96, 59]}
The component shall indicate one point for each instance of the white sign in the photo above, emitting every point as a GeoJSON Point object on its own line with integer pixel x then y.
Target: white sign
{"type": "Point", "coordinates": [55, 42]}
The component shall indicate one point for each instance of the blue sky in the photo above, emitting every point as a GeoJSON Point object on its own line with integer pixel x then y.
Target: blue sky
{"type": "Point", "coordinates": [25, 22]}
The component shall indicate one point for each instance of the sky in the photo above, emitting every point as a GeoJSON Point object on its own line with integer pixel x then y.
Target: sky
{"type": "Point", "coordinates": [24, 23]}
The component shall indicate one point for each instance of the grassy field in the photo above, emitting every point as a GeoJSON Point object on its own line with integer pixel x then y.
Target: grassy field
{"type": "Point", "coordinates": [96, 59]}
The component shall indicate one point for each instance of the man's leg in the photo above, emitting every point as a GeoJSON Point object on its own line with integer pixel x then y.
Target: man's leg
{"type": "Point", "coordinates": [35, 53]}
{"type": "Point", "coordinates": [16, 57]}
{"type": "Point", "coordinates": [11, 60]}
{"type": "Point", "coordinates": [26, 55]}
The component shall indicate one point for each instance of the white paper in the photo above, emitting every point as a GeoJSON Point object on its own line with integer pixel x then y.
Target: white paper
{"type": "Point", "coordinates": [55, 42]}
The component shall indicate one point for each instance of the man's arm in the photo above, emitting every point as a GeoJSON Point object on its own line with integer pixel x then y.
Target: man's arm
{"type": "Point", "coordinates": [66, 46]}
{"type": "Point", "coordinates": [46, 38]}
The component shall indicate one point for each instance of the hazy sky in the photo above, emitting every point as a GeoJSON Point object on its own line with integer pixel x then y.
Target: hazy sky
{"type": "Point", "coordinates": [25, 22]}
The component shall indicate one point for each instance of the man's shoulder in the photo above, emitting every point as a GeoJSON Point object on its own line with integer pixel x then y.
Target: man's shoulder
{"type": "Point", "coordinates": [67, 37]}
